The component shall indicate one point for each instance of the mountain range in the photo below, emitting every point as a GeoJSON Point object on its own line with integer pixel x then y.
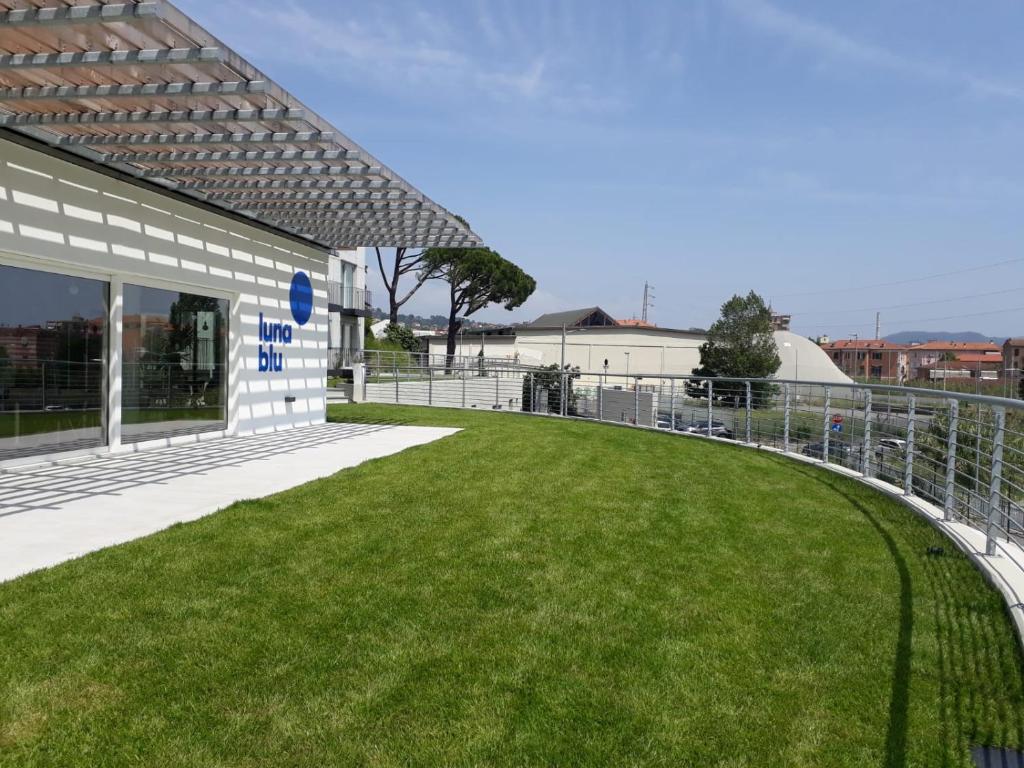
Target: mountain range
{"type": "Point", "coordinates": [910, 337]}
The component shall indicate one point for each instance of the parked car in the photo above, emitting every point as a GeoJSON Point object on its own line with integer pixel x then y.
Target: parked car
{"type": "Point", "coordinates": [718, 429]}
{"type": "Point", "coordinates": [837, 451]}
{"type": "Point", "coordinates": [888, 445]}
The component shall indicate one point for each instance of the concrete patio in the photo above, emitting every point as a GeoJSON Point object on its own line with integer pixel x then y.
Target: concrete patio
{"type": "Point", "coordinates": [54, 512]}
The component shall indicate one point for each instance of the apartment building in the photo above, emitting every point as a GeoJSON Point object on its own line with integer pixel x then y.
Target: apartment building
{"type": "Point", "coordinates": [873, 359]}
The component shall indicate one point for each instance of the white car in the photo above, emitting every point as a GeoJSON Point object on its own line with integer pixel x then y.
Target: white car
{"type": "Point", "coordinates": [891, 445]}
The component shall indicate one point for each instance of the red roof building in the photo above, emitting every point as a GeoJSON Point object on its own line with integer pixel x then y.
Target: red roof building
{"type": "Point", "coordinates": [869, 359]}
{"type": "Point", "coordinates": [923, 357]}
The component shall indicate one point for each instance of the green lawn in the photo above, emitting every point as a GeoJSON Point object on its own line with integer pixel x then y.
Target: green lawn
{"type": "Point", "coordinates": [528, 592]}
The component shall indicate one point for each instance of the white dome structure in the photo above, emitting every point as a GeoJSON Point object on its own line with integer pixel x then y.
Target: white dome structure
{"type": "Point", "coordinates": [803, 360]}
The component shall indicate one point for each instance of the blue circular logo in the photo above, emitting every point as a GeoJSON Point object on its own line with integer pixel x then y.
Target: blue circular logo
{"type": "Point", "coordinates": [301, 297]}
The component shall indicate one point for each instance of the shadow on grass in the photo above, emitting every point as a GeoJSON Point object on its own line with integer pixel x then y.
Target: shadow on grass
{"type": "Point", "coordinates": [965, 644]}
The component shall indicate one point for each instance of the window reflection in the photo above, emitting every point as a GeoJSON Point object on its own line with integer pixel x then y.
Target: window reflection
{"type": "Point", "coordinates": [53, 333]}
{"type": "Point", "coordinates": [174, 364]}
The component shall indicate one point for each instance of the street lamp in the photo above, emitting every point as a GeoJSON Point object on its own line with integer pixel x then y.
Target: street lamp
{"type": "Point", "coordinates": [627, 365]}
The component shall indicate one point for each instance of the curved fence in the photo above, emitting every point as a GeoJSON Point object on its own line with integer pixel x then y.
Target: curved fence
{"type": "Point", "coordinates": [962, 453]}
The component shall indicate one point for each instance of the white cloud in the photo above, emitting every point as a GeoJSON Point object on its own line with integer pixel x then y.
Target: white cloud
{"type": "Point", "coordinates": [421, 52]}
{"type": "Point", "coordinates": [830, 42]}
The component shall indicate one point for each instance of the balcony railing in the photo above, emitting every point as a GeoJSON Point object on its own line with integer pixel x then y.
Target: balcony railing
{"type": "Point", "coordinates": [348, 297]}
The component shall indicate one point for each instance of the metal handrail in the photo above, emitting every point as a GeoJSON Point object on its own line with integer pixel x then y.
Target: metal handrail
{"type": "Point", "coordinates": [348, 296]}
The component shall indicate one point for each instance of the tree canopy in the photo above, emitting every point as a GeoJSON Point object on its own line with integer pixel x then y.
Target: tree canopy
{"type": "Point", "coordinates": [740, 343]}
{"type": "Point", "coordinates": [476, 277]}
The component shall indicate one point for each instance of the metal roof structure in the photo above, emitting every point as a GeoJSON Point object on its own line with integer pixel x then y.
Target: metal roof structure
{"type": "Point", "coordinates": [141, 88]}
{"type": "Point", "coordinates": [575, 317]}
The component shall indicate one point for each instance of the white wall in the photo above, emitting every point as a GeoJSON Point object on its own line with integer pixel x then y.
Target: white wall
{"type": "Point", "coordinates": [651, 351]}
{"type": "Point", "coordinates": [61, 217]}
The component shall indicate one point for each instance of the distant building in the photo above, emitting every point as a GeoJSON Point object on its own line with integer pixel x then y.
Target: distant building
{"type": "Point", "coordinates": [966, 365]}
{"type": "Point", "coordinates": [588, 317]}
{"type": "Point", "coordinates": [872, 359]}
{"type": "Point", "coordinates": [1013, 356]}
{"type": "Point", "coordinates": [781, 322]}
{"type": "Point", "coordinates": [627, 347]}
{"type": "Point", "coordinates": [634, 323]}
{"type": "Point", "coordinates": [29, 343]}
{"type": "Point", "coordinates": [924, 356]}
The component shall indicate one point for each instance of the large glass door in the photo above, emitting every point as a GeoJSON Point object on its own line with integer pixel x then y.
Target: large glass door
{"type": "Point", "coordinates": [174, 364]}
{"type": "Point", "coordinates": [53, 371]}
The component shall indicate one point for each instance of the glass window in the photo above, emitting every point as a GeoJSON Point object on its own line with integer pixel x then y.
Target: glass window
{"type": "Point", "coordinates": [53, 333]}
{"type": "Point", "coordinates": [174, 378]}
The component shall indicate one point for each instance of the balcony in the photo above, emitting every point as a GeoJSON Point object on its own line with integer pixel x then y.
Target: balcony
{"type": "Point", "coordinates": [348, 300]}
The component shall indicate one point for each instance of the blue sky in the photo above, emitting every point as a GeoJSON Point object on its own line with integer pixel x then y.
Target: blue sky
{"type": "Point", "coordinates": [814, 152]}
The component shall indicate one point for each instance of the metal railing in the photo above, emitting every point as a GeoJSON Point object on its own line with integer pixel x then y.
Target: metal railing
{"type": "Point", "coordinates": [347, 296]}
{"type": "Point", "coordinates": [963, 453]}
{"type": "Point", "coordinates": [389, 365]}
{"type": "Point", "coordinates": [47, 385]}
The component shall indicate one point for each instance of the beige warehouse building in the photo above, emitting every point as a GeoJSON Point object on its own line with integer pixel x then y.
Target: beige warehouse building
{"type": "Point", "coordinates": [593, 339]}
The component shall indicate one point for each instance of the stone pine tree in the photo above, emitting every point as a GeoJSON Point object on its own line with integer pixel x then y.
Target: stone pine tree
{"type": "Point", "coordinates": [740, 344]}
{"type": "Point", "coordinates": [476, 277]}
{"type": "Point", "coordinates": [406, 261]}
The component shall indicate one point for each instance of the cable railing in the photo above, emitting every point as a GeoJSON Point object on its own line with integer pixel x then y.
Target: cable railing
{"type": "Point", "coordinates": [962, 453]}
{"type": "Point", "coordinates": [388, 365]}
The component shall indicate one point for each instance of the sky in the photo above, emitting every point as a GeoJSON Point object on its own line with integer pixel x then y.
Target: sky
{"type": "Point", "coordinates": [840, 159]}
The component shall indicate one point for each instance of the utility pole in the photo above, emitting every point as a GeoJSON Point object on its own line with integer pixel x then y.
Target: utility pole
{"type": "Point", "coordinates": [648, 300]}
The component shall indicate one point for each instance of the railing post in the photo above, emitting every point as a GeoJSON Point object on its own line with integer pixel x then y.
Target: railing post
{"type": "Point", "coordinates": [430, 385]}
{"type": "Point", "coordinates": [711, 404]}
{"type": "Point", "coordinates": [463, 387]}
{"type": "Point", "coordinates": [748, 414]}
{"type": "Point", "coordinates": [949, 499]}
{"type": "Point", "coordinates": [828, 425]}
{"type": "Point", "coordinates": [394, 362]}
{"type": "Point", "coordinates": [600, 402]}
{"type": "Point", "coordinates": [497, 388]}
{"type": "Point", "coordinates": [636, 401]}
{"type": "Point", "coordinates": [785, 418]}
{"type": "Point", "coordinates": [672, 404]}
{"type": "Point", "coordinates": [908, 464]}
{"type": "Point", "coordinates": [995, 479]}
{"type": "Point", "coordinates": [866, 458]}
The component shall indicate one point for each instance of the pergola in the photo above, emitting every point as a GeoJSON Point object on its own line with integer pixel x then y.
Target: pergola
{"type": "Point", "coordinates": [142, 89]}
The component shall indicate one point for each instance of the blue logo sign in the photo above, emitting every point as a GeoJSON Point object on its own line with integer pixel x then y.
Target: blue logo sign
{"type": "Point", "coordinates": [837, 427]}
{"type": "Point", "coordinates": [301, 297]}
{"type": "Point", "coordinates": [271, 334]}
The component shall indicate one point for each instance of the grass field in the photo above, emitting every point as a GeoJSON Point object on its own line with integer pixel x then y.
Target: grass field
{"type": "Point", "coordinates": [528, 592]}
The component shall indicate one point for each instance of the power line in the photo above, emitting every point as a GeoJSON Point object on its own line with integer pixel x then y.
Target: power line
{"type": "Point", "coordinates": [903, 306]}
{"type": "Point", "coordinates": [964, 271]}
{"type": "Point", "coordinates": [926, 319]}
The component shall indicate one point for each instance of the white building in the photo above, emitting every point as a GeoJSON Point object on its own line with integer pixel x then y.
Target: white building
{"type": "Point", "coordinates": [178, 236]}
{"type": "Point", "coordinates": [628, 348]}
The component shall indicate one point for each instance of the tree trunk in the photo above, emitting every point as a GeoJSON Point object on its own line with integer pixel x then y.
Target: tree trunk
{"type": "Point", "coordinates": [454, 325]}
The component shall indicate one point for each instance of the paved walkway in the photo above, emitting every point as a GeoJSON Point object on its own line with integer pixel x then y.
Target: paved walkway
{"type": "Point", "coordinates": [54, 512]}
